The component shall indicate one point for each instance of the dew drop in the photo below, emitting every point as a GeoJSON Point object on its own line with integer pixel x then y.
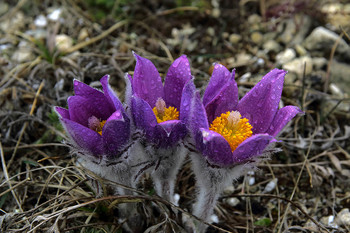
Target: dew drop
{"type": "Point", "coordinates": [176, 63]}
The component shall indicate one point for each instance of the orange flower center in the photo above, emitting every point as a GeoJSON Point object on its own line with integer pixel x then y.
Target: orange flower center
{"type": "Point", "coordinates": [232, 127]}
{"type": "Point", "coordinates": [163, 113]}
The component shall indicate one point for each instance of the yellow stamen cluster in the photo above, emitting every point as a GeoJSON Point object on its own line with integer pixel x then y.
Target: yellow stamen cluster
{"type": "Point", "coordinates": [234, 129]}
{"type": "Point", "coordinates": [95, 124]}
{"type": "Point", "coordinates": [102, 123]}
{"type": "Point", "coordinates": [163, 113]}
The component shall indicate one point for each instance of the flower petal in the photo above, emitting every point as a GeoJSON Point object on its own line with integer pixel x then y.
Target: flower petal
{"type": "Point", "coordinates": [225, 101]}
{"type": "Point", "coordinates": [81, 108]}
{"type": "Point", "coordinates": [260, 104]}
{"type": "Point", "coordinates": [115, 133]}
{"type": "Point", "coordinates": [147, 83]}
{"type": "Point", "coordinates": [282, 117]}
{"type": "Point", "coordinates": [143, 116]}
{"type": "Point", "coordinates": [252, 147]}
{"type": "Point", "coordinates": [192, 111]}
{"type": "Point", "coordinates": [84, 137]}
{"type": "Point", "coordinates": [169, 133]}
{"type": "Point", "coordinates": [214, 147]}
{"type": "Point", "coordinates": [110, 94]}
{"type": "Point", "coordinates": [62, 112]}
{"type": "Point", "coordinates": [178, 75]}
{"type": "Point", "coordinates": [217, 81]}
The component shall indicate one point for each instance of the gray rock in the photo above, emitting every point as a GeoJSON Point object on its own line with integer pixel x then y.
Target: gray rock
{"type": "Point", "coordinates": [297, 65]}
{"type": "Point", "coordinates": [271, 46]}
{"type": "Point", "coordinates": [285, 56]}
{"type": "Point", "coordinates": [339, 75]}
{"type": "Point", "coordinates": [324, 39]}
{"type": "Point", "coordinates": [319, 62]}
{"type": "Point", "coordinates": [292, 34]}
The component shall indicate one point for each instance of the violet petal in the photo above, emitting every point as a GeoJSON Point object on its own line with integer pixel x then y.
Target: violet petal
{"type": "Point", "coordinates": [218, 79]}
{"type": "Point", "coordinates": [252, 147]}
{"type": "Point", "coordinates": [260, 104]}
{"type": "Point", "coordinates": [115, 133]}
{"type": "Point", "coordinates": [192, 111]}
{"type": "Point", "coordinates": [62, 112]}
{"type": "Point", "coordinates": [282, 117]}
{"type": "Point", "coordinates": [214, 147]}
{"type": "Point", "coordinates": [143, 116]}
{"type": "Point", "coordinates": [178, 75]}
{"type": "Point", "coordinates": [110, 94]}
{"type": "Point", "coordinates": [225, 101]}
{"type": "Point", "coordinates": [147, 83]}
{"type": "Point", "coordinates": [84, 137]}
{"type": "Point", "coordinates": [169, 133]}
{"type": "Point", "coordinates": [81, 108]}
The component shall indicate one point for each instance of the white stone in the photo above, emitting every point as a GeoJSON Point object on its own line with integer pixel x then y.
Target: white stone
{"type": "Point", "coordinates": [55, 15]}
{"type": "Point", "coordinates": [40, 21]}
{"type": "Point", "coordinates": [214, 218]}
{"type": "Point", "coordinates": [343, 217]}
{"type": "Point", "coordinates": [270, 186]}
{"type": "Point", "coordinates": [297, 65]}
{"type": "Point", "coordinates": [323, 39]}
{"type": "Point", "coordinates": [271, 46]}
{"type": "Point", "coordinates": [63, 42]}
{"type": "Point", "coordinates": [285, 56]}
{"type": "Point", "coordinates": [232, 201]}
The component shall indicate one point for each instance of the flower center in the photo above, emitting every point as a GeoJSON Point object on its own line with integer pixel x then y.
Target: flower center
{"type": "Point", "coordinates": [163, 113]}
{"type": "Point", "coordinates": [232, 127]}
{"type": "Point", "coordinates": [95, 124]}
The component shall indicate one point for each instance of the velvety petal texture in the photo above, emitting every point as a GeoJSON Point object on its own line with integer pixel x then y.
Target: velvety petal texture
{"type": "Point", "coordinates": [115, 133]}
{"type": "Point", "coordinates": [192, 111]}
{"type": "Point", "coordinates": [252, 147]}
{"type": "Point", "coordinates": [282, 117]}
{"type": "Point", "coordinates": [91, 105]}
{"type": "Point", "coordinates": [178, 75]}
{"type": "Point", "coordinates": [109, 93]}
{"type": "Point", "coordinates": [143, 116]}
{"type": "Point", "coordinates": [169, 133]}
{"type": "Point", "coordinates": [84, 137]}
{"type": "Point", "coordinates": [147, 84]}
{"type": "Point", "coordinates": [214, 147]}
{"type": "Point", "coordinates": [260, 104]}
{"type": "Point", "coordinates": [221, 94]}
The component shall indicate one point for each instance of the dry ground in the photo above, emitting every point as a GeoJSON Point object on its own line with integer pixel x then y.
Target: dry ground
{"type": "Point", "coordinates": [42, 189]}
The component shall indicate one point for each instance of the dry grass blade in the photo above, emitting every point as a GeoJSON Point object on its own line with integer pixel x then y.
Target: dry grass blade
{"type": "Point", "coordinates": [26, 123]}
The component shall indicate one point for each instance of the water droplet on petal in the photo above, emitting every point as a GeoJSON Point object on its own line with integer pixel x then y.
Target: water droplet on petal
{"type": "Point", "coordinates": [176, 63]}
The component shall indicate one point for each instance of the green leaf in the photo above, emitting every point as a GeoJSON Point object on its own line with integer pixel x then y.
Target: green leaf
{"type": "Point", "coordinates": [264, 222]}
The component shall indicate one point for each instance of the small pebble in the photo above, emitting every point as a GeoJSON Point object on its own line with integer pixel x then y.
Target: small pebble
{"type": "Point", "coordinates": [343, 217]}
{"type": "Point", "coordinates": [270, 186]}
{"type": "Point", "coordinates": [214, 218]}
{"type": "Point", "coordinates": [55, 15]}
{"type": "Point", "coordinates": [40, 21]}
{"type": "Point", "coordinates": [256, 37]}
{"type": "Point", "coordinates": [232, 201]}
{"type": "Point", "coordinates": [235, 38]}
{"type": "Point", "coordinates": [176, 199]}
{"type": "Point", "coordinates": [229, 190]}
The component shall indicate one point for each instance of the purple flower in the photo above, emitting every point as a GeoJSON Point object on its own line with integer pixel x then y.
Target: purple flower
{"type": "Point", "coordinates": [228, 131]}
{"type": "Point", "coordinates": [156, 108]}
{"type": "Point", "coordinates": [95, 120]}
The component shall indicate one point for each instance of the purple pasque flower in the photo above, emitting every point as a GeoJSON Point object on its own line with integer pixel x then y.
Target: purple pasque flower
{"type": "Point", "coordinates": [228, 131]}
{"type": "Point", "coordinates": [156, 108]}
{"type": "Point", "coordinates": [96, 121]}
